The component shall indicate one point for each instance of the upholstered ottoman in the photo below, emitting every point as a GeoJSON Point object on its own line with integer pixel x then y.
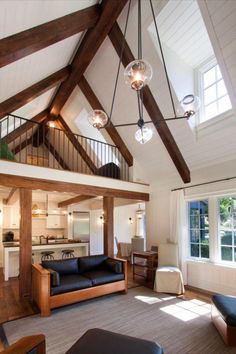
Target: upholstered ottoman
{"type": "Point", "coordinates": [223, 315]}
{"type": "Point", "coordinates": [99, 341]}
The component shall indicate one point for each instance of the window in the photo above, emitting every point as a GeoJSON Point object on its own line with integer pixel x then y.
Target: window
{"type": "Point", "coordinates": [199, 229]}
{"type": "Point", "coordinates": [214, 97]}
{"type": "Point", "coordinates": [227, 228]}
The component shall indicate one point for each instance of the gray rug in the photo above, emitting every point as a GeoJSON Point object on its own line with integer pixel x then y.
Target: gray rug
{"type": "Point", "coordinates": [178, 326]}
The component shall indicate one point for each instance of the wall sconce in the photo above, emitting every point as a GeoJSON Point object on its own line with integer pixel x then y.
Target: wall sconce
{"type": "Point", "coordinates": [130, 221]}
{"type": "Point", "coordinates": [101, 219]}
{"type": "Point", "coordinates": [51, 124]}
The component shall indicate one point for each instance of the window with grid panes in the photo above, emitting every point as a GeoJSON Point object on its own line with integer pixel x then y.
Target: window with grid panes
{"type": "Point", "coordinates": [227, 228]}
{"type": "Point", "coordinates": [215, 98]}
{"type": "Point", "coordinates": [199, 229]}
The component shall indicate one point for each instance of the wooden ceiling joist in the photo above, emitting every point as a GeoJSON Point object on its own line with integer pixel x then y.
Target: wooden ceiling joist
{"type": "Point", "coordinates": [12, 197]}
{"type": "Point", "coordinates": [115, 136]}
{"type": "Point", "coordinates": [116, 37]}
{"type": "Point", "coordinates": [22, 145]}
{"type": "Point", "coordinates": [63, 126]}
{"type": "Point", "coordinates": [110, 10]}
{"type": "Point", "coordinates": [75, 200]}
{"type": "Point", "coordinates": [27, 95]}
{"type": "Point", "coordinates": [19, 45]}
{"type": "Point", "coordinates": [56, 155]}
{"type": "Point", "coordinates": [39, 118]}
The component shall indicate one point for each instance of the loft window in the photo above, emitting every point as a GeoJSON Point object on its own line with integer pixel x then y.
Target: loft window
{"type": "Point", "coordinates": [214, 96]}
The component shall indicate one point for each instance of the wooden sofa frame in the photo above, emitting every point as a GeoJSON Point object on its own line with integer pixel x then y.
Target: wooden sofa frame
{"type": "Point", "coordinates": [26, 344]}
{"type": "Point", "coordinates": [228, 333]}
{"type": "Point", "coordinates": [41, 290]}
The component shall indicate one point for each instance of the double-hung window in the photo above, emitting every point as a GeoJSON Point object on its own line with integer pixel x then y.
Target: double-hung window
{"type": "Point", "coordinates": [199, 229]}
{"type": "Point", "coordinates": [227, 228]}
{"type": "Point", "coordinates": [214, 97]}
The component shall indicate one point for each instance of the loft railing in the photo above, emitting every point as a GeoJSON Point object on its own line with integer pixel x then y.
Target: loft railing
{"type": "Point", "coordinates": [34, 143]}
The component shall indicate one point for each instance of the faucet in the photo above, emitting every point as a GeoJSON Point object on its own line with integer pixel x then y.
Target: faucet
{"type": "Point", "coordinates": [43, 237]}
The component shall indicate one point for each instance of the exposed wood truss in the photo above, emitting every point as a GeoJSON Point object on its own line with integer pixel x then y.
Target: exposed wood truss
{"type": "Point", "coordinates": [12, 197]}
{"type": "Point", "coordinates": [56, 154]}
{"type": "Point", "coordinates": [75, 200]}
{"type": "Point", "coordinates": [63, 126]}
{"type": "Point", "coordinates": [116, 37]}
{"type": "Point", "coordinates": [27, 42]}
{"type": "Point", "coordinates": [50, 185]}
{"type": "Point", "coordinates": [92, 40]}
{"type": "Point", "coordinates": [39, 118]}
{"type": "Point", "coordinates": [115, 136]}
{"type": "Point", "coordinates": [27, 95]}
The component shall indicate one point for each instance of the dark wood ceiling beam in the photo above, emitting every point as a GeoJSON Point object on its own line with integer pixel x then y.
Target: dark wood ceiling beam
{"type": "Point", "coordinates": [30, 124]}
{"type": "Point", "coordinates": [21, 146]}
{"type": "Point", "coordinates": [20, 45]}
{"type": "Point", "coordinates": [27, 95]}
{"type": "Point", "coordinates": [64, 126]}
{"type": "Point", "coordinates": [111, 130]}
{"type": "Point", "coordinates": [75, 200]}
{"type": "Point", "coordinates": [116, 37]}
{"type": "Point", "coordinates": [110, 10]}
{"type": "Point", "coordinates": [56, 155]}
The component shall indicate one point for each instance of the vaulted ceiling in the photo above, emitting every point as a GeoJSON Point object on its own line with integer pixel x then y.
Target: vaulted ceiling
{"type": "Point", "coordinates": [92, 58]}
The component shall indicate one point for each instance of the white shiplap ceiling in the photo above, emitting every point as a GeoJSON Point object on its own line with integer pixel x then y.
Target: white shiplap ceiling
{"type": "Point", "coordinates": [182, 29]}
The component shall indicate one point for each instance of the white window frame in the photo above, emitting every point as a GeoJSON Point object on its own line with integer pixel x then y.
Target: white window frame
{"type": "Point", "coordinates": [200, 89]}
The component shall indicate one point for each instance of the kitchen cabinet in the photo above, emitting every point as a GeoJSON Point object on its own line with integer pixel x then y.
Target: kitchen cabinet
{"type": "Point", "coordinates": [11, 217]}
{"type": "Point", "coordinates": [55, 222]}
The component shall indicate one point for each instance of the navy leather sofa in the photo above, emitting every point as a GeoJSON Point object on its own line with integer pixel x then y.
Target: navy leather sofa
{"type": "Point", "coordinates": [61, 282]}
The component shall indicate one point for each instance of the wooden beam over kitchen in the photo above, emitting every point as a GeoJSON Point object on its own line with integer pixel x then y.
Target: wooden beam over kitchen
{"type": "Point", "coordinates": [108, 226]}
{"type": "Point", "coordinates": [27, 95]}
{"type": "Point", "coordinates": [111, 130]}
{"type": "Point", "coordinates": [64, 126]}
{"type": "Point", "coordinates": [75, 200]}
{"type": "Point", "coordinates": [24, 43]}
{"type": "Point", "coordinates": [25, 242]}
{"type": "Point", "coordinates": [12, 197]}
{"type": "Point", "coordinates": [110, 10]}
{"type": "Point", "coordinates": [68, 187]}
{"type": "Point", "coordinates": [116, 37]}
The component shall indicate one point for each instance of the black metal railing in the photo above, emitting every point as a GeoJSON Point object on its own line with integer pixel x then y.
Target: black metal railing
{"type": "Point", "coordinates": [39, 144]}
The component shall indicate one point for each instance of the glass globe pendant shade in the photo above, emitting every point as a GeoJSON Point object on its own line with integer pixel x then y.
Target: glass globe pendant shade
{"type": "Point", "coordinates": [190, 104]}
{"type": "Point", "coordinates": [143, 135]}
{"type": "Point", "coordinates": [137, 74]}
{"type": "Point", "coordinates": [97, 118]}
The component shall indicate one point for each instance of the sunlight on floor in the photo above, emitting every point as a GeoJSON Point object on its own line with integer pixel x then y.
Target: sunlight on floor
{"type": "Point", "coordinates": [153, 299]}
{"type": "Point", "coordinates": [188, 310]}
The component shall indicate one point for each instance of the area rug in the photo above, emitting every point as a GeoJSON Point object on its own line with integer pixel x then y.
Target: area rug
{"type": "Point", "coordinates": [179, 326]}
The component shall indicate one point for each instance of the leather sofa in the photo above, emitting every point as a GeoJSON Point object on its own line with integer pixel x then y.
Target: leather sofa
{"type": "Point", "coordinates": [61, 282]}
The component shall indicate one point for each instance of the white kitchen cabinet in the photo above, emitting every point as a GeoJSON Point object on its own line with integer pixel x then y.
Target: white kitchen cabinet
{"type": "Point", "coordinates": [11, 217]}
{"type": "Point", "coordinates": [55, 222]}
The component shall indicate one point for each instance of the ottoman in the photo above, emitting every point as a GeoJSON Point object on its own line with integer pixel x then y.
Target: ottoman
{"type": "Point", "coordinates": [223, 314]}
{"type": "Point", "coordinates": [99, 341]}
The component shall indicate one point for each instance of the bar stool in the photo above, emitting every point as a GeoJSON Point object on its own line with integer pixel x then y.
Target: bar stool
{"type": "Point", "coordinates": [69, 253]}
{"type": "Point", "coordinates": [47, 255]}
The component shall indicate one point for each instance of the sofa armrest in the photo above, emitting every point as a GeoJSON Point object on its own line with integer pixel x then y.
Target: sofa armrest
{"type": "Point", "coordinates": [125, 270]}
{"type": "Point", "coordinates": [27, 344]}
{"type": "Point", "coordinates": [41, 286]}
{"type": "Point", "coordinates": [54, 277]}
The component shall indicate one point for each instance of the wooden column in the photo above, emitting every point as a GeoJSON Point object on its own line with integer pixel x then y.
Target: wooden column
{"type": "Point", "coordinates": [108, 229]}
{"type": "Point", "coordinates": [25, 242]}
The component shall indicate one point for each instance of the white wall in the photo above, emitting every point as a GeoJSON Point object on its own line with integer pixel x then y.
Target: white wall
{"type": "Point", "coordinates": [205, 275]}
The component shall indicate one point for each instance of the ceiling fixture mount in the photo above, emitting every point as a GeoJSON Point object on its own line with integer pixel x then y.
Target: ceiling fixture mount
{"type": "Point", "coordinates": [138, 74]}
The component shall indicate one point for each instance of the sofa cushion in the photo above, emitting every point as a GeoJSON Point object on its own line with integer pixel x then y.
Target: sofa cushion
{"type": "Point", "coordinates": [114, 265]}
{"type": "Point", "coordinates": [102, 276]}
{"type": "Point", "coordinates": [90, 262]}
{"type": "Point", "coordinates": [71, 282]}
{"type": "Point", "coordinates": [226, 305]}
{"type": "Point", "coordinates": [54, 277]}
{"type": "Point", "coordinates": [63, 266]}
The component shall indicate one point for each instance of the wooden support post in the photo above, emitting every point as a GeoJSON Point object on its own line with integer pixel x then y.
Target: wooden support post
{"type": "Point", "coordinates": [25, 242]}
{"type": "Point", "coordinates": [108, 230]}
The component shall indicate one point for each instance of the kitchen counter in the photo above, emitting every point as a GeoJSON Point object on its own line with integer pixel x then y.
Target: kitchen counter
{"type": "Point", "coordinates": [51, 242]}
{"type": "Point", "coordinates": [11, 254]}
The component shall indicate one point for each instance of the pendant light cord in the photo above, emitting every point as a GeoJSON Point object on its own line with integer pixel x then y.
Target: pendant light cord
{"type": "Point", "coordinates": [162, 56]}
{"type": "Point", "coordinates": [120, 60]}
